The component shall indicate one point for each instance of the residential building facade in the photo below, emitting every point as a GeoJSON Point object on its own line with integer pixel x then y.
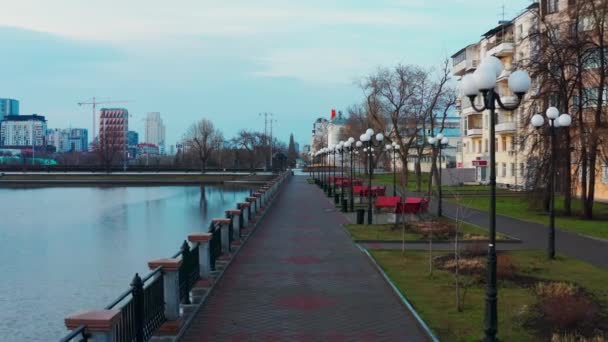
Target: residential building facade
{"type": "Point", "coordinates": [510, 43]}
{"type": "Point", "coordinates": [23, 131]}
{"type": "Point", "coordinates": [113, 128]}
{"type": "Point", "coordinates": [68, 140]}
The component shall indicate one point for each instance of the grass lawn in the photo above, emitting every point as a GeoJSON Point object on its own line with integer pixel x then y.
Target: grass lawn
{"type": "Point", "coordinates": [518, 207]}
{"type": "Point", "coordinates": [387, 232]}
{"type": "Point", "coordinates": [434, 296]}
{"type": "Point", "coordinates": [387, 179]}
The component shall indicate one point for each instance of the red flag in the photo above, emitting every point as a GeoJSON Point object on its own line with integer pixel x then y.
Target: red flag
{"type": "Point", "coordinates": [333, 114]}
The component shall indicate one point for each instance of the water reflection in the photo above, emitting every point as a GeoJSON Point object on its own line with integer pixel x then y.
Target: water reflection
{"type": "Point", "coordinates": [68, 249]}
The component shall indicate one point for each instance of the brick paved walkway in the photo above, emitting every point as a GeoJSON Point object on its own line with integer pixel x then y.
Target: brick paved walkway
{"type": "Point", "coordinates": [300, 278]}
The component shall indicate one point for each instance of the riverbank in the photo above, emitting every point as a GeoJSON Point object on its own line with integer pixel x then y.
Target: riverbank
{"type": "Point", "coordinates": [38, 179]}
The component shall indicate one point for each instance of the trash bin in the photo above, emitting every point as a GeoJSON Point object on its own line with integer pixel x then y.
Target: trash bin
{"type": "Point", "coordinates": [344, 205]}
{"type": "Point", "coordinates": [336, 198]}
{"type": "Point", "coordinates": [360, 216]}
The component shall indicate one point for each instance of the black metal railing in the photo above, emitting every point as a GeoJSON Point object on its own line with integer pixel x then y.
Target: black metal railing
{"type": "Point", "coordinates": [142, 308]}
{"type": "Point", "coordinates": [188, 271]}
{"type": "Point", "coordinates": [215, 245]}
{"type": "Point", "coordinates": [79, 334]}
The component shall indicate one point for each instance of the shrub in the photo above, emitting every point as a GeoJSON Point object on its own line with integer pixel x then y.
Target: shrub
{"type": "Point", "coordinates": [505, 268]}
{"type": "Point", "coordinates": [554, 289]}
{"type": "Point", "coordinates": [475, 249]}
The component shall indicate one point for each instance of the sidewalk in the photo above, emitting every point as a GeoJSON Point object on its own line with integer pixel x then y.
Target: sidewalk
{"type": "Point", "coordinates": [301, 278]}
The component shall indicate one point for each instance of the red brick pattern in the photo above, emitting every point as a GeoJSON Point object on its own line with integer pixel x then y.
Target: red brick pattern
{"type": "Point", "coordinates": [300, 278]}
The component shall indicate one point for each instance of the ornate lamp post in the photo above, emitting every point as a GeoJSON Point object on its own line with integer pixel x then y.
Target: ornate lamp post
{"type": "Point", "coordinates": [367, 140]}
{"type": "Point", "coordinates": [439, 142]}
{"type": "Point", "coordinates": [340, 149]}
{"type": "Point", "coordinates": [555, 121]}
{"type": "Point", "coordinates": [354, 153]}
{"type": "Point", "coordinates": [332, 184]}
{"type": "Point", "coordinates": [484, 80]}
{"type": "Point", "coordinates": [394, 148]}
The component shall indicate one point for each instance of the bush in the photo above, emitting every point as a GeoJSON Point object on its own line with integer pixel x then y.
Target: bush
{"type": "Point", "coordinates": [475, 249]}
{"type": "Point", "coordinates": [564, 307]}
{"type": "Point", "coordinates": [505, 268]}
{"type": "Point", "coordinates": [434, 229]}
{"type": "Point", "coordinates": [576, 338]}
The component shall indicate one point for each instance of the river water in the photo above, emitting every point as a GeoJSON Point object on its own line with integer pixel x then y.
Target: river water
{"type": "Point", "coordinates": [63, 250]}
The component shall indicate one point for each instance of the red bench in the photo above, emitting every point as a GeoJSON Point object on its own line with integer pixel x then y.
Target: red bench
{"type": "Point", "coordinates": [412, 205]}
{"type": "Point", "coordinates": [387, 201]}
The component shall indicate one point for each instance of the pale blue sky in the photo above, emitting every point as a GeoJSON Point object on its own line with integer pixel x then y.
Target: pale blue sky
{"type": "Point", "coordinates": [223, 60]}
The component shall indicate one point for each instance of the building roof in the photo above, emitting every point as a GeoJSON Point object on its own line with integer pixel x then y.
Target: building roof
{"type": "Point", "coordinates": [24, 117]}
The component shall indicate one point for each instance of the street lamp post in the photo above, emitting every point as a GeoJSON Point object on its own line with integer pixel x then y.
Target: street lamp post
{"type": "Point", "coordinates": [394, 148]}
{"type": "Point", "coordinates": [555, 121]}
{"type": "Point", "coordinates": [484, 80]}
{"type": "Point", "coordinates": [354, 153]}
{"type": "Point", "coordinates": [439, 142]}
{"type": "Point", "coordinates": [332, 184]}
{"type": "Point", "coordinates": [367, 139]}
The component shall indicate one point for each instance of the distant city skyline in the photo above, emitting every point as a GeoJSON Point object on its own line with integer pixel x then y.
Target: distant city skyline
{"type": "Point", "coordinates": [225, 61]}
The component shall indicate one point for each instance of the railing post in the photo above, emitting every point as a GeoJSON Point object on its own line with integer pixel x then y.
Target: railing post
{"type": "Point", "coordinates": [137, 292]}
{"type": "Point", "coordinates": [170, 268]}
{"type": "Point", "coordinates": [245, 213]}
{"type": "Point", "coordinates": [237, 218]}
{"type": "Point", "coordinates": [225, 231]}
{"type": "Point", "coordinates": [204, 257]}
{"type": "Point", "coordinates": [101, 324]}
{"type": "Point", "coordinates": [254, 207]}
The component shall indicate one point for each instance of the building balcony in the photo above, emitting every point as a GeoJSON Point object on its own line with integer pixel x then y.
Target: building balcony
{"type": "Point", "coordinates": [464, 66]}
{"type": "Point", "coordinates": [474, 132]}
{"type": "Point", "coordinates": [501, 48]}
{"type": "Point", "coordinates": [506, 127]}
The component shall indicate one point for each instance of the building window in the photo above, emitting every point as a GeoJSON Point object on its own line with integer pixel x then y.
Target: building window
{"type": "Point", "coordinates": [504, 144]}
{"type": "Point", "coordinates": [552, 6]}
{"type": "Point", "coordinates": [486, 145]}
{"type": "Point", "coordinates": [496, 146]}
{"type": "Point", "coordinates": [513, 170]}
{"type": "Point", "coordinates": [521, 169]}
{"type": "Point", "coordinates": [605, 174]}
{"type": "Point", "coordinates": [513, 144]}
{"type": "Point", "coordinates": [479, 146]}
{"type": "Point", "coordinates": [504, 169]}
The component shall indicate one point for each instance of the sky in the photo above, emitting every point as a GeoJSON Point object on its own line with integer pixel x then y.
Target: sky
{"type": "Point", "coordinates": [224, 60]}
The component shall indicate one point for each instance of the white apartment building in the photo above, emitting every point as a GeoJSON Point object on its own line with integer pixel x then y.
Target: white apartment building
{"type": "Point", "coordinates": [509, 42]}
{"type": "Point", "coordinates": [23, 131]}
{"type": "Point", "coordinates": [155, 131]}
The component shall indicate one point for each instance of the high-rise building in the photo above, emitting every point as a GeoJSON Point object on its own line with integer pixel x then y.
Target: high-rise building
{"type": "Point", "coordinates": [508, 42]}
{"type": "Point", "coordinates": [113, 127]}
{"type": "Point", "coordinates": [23, 131]}
{"type": "Point", "coordinates": [155, 131]}
{"type": "Point", "coordinates": [8, 107]}
{"type": "Point", "coordinates": [78, 139]}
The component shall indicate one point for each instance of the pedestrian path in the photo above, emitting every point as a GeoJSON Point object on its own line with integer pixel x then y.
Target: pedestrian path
{"type": "Point", "coordinates": [300, 278]}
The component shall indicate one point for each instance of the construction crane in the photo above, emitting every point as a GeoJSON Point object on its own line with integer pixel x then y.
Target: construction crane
{"type": "Point", "coordinates": [93, 103]}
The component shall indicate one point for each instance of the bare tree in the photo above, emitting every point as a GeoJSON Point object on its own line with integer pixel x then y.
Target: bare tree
{"type": "Point", "coordinates": [252, 143]}
{"type": "Point", "coordinates": [202, 139]}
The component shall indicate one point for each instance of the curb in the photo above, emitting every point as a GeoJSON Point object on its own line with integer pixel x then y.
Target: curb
{"type": "Point", "coordinates": [438, 241]}
{"type": "Point", "coordinates": [401, 296]}
{"type": "Point", "coordinates": [216, 281]}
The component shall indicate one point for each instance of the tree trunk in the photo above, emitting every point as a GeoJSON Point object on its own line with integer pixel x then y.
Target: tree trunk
{"type": "Point", "coordinates": [418, 170]}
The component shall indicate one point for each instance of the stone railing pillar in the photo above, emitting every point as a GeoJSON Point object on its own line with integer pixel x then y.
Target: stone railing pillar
{"type": "Point", "coordinates": [254, 206]}
{"type": "Point", "coordinates": [171, 285]}
{"type": "Point", "coordinates": [101, 324]}
{"type": "Point", "coordinates": [246, 212]}
{"type": "Point", "coordinates": [224, 230]}
{"type": "Point", "coordinates": [258, 197]}
{"type": "Point", "coordinates": [237, 219]}
{"type": "Point", "coordinates": [204, 258]}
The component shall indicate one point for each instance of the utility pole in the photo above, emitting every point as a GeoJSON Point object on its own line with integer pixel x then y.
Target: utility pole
{"type": "Point", "coordinates": [266, 134]}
